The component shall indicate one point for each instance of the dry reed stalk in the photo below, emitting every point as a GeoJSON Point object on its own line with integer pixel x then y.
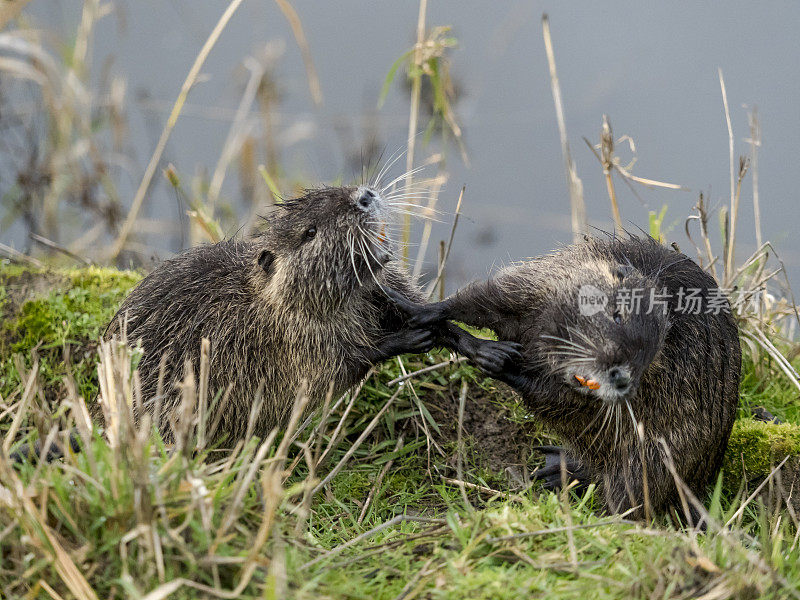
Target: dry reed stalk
{"type": "Point", "coordinates": [10, 9]}
{"type": "Point", "coordinates": [733, 211]}
{"type": "Point", "coordinates": [238, 131]}
{"type": "Point", "coordinates": [573, 552]}
{"type": "Point", "coordinates": [755, 144]}
{"type": "Point", "coordinates": [462, 398]}
{"type": "Point", "coordinates": [574, 184]}
{"type": "Point", "coordinates": [416, 91]}
{"type": "Point", "coordinates": [740, 511]}
{"type": "Point", "coordinates": [607, 154]}
{"type": "Point", "coordinates": [702, 218]}
{"type": "Point", "coordinates": [297, 30]}
{"type": "Point", "coordinates": [436, 186]}
{"type": "Point", "coordinates": [58, 248]}
{"type": "Point", "coordinates": [80, 50]}
{"type": "Point", "coordinates": [443, 261]}
{"type": "Point", "coordinates": [191, 78]}
{"type": "Point", "coordinates": [202, 393]}
{"type": "Point", "coordinates": [648, 509]}
{"type": "Point", "coordinates": [20, 257]}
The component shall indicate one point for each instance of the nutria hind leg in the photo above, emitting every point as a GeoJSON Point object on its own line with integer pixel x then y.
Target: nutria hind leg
{"type": "Point", "coordinates": [556, 460]}
{"type": "Point", "coordinates": [25, 452]}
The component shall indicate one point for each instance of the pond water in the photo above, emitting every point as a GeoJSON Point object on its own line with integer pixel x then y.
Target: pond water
{"type": "Point", "coordinates": [652, 67]}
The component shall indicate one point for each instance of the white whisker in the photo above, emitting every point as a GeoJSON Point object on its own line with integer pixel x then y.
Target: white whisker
{"type": "Point", "coordinates": [352, 256]}
{"type": "Point", "coordinates": [399, 177]}
{"type": "Point", "coordinates": [397, 155]}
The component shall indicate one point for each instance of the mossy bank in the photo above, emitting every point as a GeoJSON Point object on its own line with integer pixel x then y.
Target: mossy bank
{"type": "Point", "coordinates": [148, 520]}
{"type": "Point", "coordinates": [59, 314]}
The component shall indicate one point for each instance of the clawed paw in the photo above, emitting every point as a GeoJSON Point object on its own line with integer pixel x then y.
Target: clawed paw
{"type": "Point", "coordinates": [419, 315]}
{"type": "Point", "coordinates": [550, 475]}
{"type": "Point", "coordinates": [418, 341]}
{"type": "Point", "coordinates": [494, 357]}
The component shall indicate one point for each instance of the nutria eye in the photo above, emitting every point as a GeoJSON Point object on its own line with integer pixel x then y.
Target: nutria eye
{"type": "Point", "coordinates": [617, 317]}
{"type": "Point", "coordinates": [310, 233]}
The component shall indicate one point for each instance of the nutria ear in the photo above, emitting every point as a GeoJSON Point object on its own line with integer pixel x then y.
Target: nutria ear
{"type": "Point", "coordinates": [265, 260]}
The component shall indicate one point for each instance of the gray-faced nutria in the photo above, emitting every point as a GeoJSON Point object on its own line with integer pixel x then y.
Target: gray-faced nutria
{"type": "Point", "coordinates": [616, 333]}
{"type": "Point", "coordinates": [302, 302]}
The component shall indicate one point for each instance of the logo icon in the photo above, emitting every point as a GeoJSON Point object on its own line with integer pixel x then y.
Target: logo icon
{"type": "Point", "coordinates": [591, 300]}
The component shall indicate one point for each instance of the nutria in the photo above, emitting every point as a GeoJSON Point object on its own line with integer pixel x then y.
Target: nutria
{"type": "Point", "coordinates": [304, 301]}
{"type": "Point", "coordinates": [595, 365]}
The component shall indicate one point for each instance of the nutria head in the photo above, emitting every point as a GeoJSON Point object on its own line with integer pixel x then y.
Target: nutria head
{"type": "Point", "coordinates": [317, 249]}
{"type": "Point", "coordinates": [603, 330]}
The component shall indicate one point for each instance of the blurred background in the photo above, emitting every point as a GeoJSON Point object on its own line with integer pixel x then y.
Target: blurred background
{"type": "Point", "coordinates": [86, 90]}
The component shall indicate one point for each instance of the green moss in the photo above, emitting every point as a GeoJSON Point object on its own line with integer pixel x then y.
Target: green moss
{"type": "Point", "coordinates": [103, 279]}
{"type": "Point", "coordinates": [50, 311]}
{"type": "Point", "coordinates": [10, 270]}
{"type": "Point", "coordinates": [755, 448]}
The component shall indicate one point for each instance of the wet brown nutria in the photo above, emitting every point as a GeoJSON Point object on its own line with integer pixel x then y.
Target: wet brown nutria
{"type": "Point", "coordinates": [597, 361]}
{"type": "Point", "coordinates": [303, 301]}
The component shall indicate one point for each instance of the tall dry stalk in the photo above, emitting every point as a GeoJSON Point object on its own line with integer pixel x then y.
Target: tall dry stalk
{"type": "Point", "coordinates": [300, 37]}
{"type": "Point", "coordinates": [574, 184]}
{"type": "Point", "coordinates": [755, 144]}
{"type": "Point", "coordinates": [435, 188]}
{"type": "Point", "coordinates": [607, 154]}
{"type": "Point", "coordinates": [9, 10]}
{"type": "Point", "coordinates": [730, 241]}
{"type": "Point", "coordinates": [150, 171]}
{"type": "Point", "coordinates": [416, 90]}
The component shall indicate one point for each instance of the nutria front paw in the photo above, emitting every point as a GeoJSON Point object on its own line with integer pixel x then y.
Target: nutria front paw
{"type": "Point", "coordinates": [416, 341]}
{"type": "Point", "coordinates": [496, 358]}
{"type": "Point", "coordinates": [419, 315]}
{"type": "Point", "coordinates": [405, 341]}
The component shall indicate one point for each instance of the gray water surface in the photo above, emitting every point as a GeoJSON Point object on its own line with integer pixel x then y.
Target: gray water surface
{"type": "Point", "coordinates": [652, 67]}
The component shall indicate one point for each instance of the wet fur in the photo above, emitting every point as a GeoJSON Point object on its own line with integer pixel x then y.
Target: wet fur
{"type": "Point", "coordinates": [687, 393]}
{"type": "Point", "coordinates": [278, 309]}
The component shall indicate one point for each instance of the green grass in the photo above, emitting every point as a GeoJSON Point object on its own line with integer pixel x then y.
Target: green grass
{"type": "Point", "coordinates": [152, 519]}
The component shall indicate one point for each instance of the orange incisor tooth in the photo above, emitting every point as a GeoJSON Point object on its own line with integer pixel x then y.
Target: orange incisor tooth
{"type": "Point", "coordinates": [580, 379]}
{"type": "Point", "coordinates": [593, 385]}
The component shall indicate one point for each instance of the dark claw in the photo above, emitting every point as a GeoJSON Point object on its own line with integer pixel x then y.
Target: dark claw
{"type": "Point", "coordinates": [401, 301]}
{"type": "Point", "coordinates": [419, 315]}
{"type": "Point", "coordinates": [762, 414]}
{"type": "Point", "coordinates": [494, 357]}
{"type": "Point", "coordinates": [419, 341]}
{"type": "Point", "coordinates": [513, 348]}
{"type": "Point", "coordinates": [550, 473]}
